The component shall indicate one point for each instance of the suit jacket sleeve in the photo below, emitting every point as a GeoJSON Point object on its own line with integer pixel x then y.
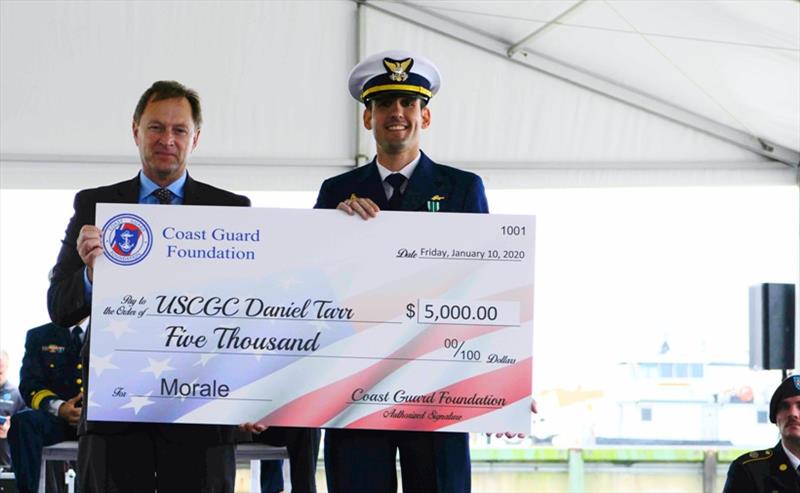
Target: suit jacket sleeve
{"type": "Point", "coordinates": [32, 379]}
{"type": "Point", "coordinates": [66, 301]}
{"type": "Point", "coordinates": [323, 198]}
{"type": "Point", "coordinates": [476, 197]}
{"type": "Point", "coordinates": [739, 480]}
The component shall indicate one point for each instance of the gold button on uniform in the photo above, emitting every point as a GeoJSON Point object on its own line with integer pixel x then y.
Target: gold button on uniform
{"type": "Point", "coordinates": [79, 381]}
{"type": "Point", "coordinates": [80, 366]}
{"type": "Point", "coordinates": [783, 467]}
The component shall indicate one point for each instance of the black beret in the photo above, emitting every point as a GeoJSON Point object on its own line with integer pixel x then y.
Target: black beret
{"type": "Point", "coordinates": [788, 388]}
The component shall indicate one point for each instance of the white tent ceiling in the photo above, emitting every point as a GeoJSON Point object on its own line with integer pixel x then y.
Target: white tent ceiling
{"type": "Point", "coordinates": [735, 63]}
{"type": "Point", "coordinates": [557, 93]}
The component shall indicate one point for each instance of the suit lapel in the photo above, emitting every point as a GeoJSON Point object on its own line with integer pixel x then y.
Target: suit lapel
{"type": "Point", "coordinates": [424, 184]}
{"type": "Point", "coordinates": [128, 191]}
{"type": "Point", "coordinates": [370, 185]}
{"type": "Point", "coordinates": [190, 193]}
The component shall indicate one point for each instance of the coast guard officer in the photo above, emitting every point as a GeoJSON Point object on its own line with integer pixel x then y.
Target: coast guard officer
{"type": "Point", "coordinates": [776, 469]}
{"type": "Point", "coordinates": [51, 384]}
{"type": "Point", "coordinates": [395, 88]}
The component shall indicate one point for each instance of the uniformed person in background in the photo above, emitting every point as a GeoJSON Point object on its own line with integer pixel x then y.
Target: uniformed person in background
{"type": "Point", "coordinates": [10, 403]}
{"type": "Point", "coordinates": [50, 382]}
{"type": "Point", "coordinates": [776, 469]}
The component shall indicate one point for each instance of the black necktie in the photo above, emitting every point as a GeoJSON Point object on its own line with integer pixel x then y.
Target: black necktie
{"type": "Point", "coordinates": [396, 180]}
{"type": "Point", "coordinates": [75, 339]}
{"type": "Point", "coordinates": [164, 195]}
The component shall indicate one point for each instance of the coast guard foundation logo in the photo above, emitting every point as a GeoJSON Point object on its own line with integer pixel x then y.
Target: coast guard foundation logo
{"type": "Point", "coordinates": [127, 239]}
{"type": "Point", "coordinates": [796, 380]}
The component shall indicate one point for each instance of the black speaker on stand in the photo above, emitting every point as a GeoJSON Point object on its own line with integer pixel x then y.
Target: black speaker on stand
{"type": "Point", "coordinates": [772, 327]}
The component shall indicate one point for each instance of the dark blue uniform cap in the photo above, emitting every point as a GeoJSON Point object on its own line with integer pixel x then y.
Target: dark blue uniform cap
{"type": "Point", "coordinates": [788, 388]}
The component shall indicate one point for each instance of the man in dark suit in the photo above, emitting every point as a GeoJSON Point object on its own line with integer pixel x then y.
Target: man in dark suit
{"type": "Point", "coordinates": [395, 87]}
{"type": "Point", "coordinates": [778, 468]}
{"type": "Point", "coordinates": [50, 382]}
{"type": "Point", "coordinates": [143, 457]}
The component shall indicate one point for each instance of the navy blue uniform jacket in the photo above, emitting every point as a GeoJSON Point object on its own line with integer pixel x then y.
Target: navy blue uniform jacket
{"type": "Point", "coordinates": [454, 190]}
{"type": "Point", "coordinates": [68, 305]}
{"type": "Point", "coordinates": [432, 187]}
{"type": "Point", "coordinates": [51, 367]}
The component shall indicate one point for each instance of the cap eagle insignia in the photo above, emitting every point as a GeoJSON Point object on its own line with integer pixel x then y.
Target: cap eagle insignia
{"type": "Point", "coordinates": [398, 69]}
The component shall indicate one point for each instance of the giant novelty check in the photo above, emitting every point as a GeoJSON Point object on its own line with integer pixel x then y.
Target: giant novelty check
{"type": "Point", "coordinates": [224, 315]}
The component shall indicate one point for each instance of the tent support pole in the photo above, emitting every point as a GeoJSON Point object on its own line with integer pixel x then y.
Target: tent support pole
{"type": "Point", "coordinates": [361, 158]}
{"type": "Point", "coordinates": [516, 46]}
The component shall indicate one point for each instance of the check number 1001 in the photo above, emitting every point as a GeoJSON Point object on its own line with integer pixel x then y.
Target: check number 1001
{"type": "Point", "coordinates": [513, 230]}
{"type": "Point", "coordinates": [465, 312]}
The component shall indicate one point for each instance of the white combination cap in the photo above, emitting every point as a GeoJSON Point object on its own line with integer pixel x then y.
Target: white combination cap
{"type": "Point", "coordinates": [394, 71]}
